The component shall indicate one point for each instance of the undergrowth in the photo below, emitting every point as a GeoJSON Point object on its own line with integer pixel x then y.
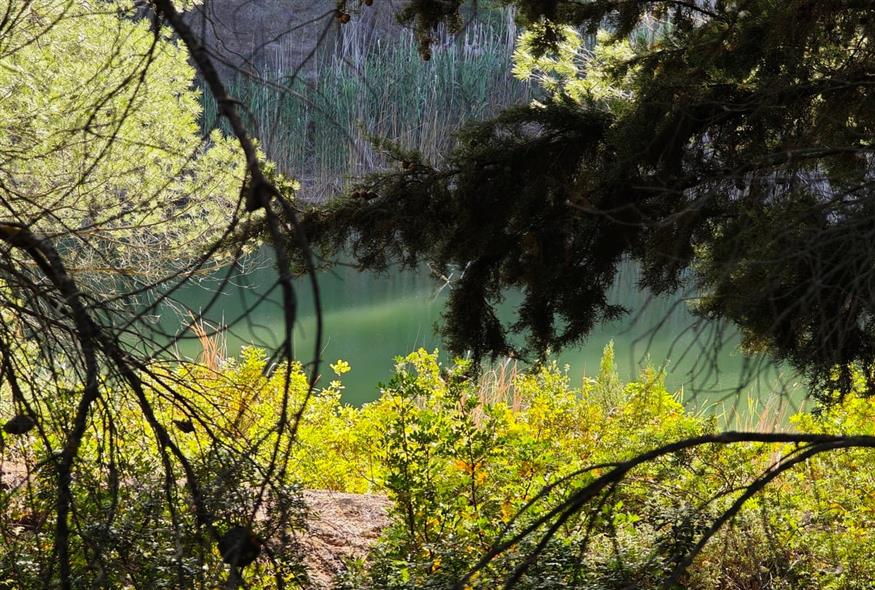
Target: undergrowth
{"type": "Point", "coordinates": [461, 457]}
{"type": "Point", "coordinates": [463, 461]}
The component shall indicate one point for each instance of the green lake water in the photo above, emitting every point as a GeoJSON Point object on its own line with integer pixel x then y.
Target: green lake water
{"type": "Point", "coordinates": [371, 318]}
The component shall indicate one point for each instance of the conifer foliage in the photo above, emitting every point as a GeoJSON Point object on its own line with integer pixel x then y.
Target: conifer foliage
{"type": "Point", "coordinates": [723, 145]}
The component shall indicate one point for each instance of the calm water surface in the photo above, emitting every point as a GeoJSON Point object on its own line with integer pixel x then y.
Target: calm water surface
{"type": "Point", "coordinates": [371, 318]}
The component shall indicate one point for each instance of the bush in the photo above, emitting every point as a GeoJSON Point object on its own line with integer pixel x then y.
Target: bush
{"type": "Point", "coordinates": [462, 465]}
{"type": "Point", "coordinates": [465, 461]}
{"type": "Point", "coordinates": [134, 521]}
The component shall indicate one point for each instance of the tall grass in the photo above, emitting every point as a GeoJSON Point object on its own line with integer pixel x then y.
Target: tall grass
{"type": "Point", "coordinates": [321, 130]}
{"type": "Point", "coordinates": [214, 344]}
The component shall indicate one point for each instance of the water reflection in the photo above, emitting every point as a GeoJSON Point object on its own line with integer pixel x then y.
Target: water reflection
{"type": "Point", "coordinates": [371, 318]}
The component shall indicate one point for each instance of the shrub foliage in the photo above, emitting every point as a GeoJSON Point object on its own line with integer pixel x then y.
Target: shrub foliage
{"type": "Point", "coordinates": [466, 461]}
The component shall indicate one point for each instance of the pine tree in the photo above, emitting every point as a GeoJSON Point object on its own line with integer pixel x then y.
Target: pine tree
{"type": "Point", "coordinates": [722, 145]}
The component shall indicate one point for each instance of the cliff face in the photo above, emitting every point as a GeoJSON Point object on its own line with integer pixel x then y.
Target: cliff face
{"type": "Point", "coordinates": [279, 37]}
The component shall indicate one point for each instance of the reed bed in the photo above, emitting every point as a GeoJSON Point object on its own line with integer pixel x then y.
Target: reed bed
{"type": "Point", "coordinates": [321, 130]}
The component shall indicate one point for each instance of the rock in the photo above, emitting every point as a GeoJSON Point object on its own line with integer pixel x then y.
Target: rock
{"type": "Point", "coordinates": [342, 527]}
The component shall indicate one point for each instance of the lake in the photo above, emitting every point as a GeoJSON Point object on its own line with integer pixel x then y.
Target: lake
{"type": "Point", "coordinates": [371, 318]}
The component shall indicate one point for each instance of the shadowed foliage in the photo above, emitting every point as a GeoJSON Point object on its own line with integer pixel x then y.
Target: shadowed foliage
{"type": "Point", "coordinates": [723, 145]}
